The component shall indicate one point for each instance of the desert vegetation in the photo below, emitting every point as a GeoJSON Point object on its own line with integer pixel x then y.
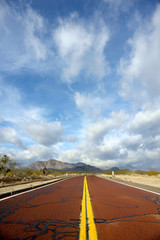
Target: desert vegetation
{"type": "Point", "coordinates": [133, 173]}
{"type": "Point", "coordinates": [148, 178]}
{"type": "Point", "coordinates": [12, 173]}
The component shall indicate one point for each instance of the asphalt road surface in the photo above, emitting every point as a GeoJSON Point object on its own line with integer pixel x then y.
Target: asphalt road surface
{"type": "Point", "coordinates": [75, 208]}
{"type": "Point", "coordinates": [123, 212]}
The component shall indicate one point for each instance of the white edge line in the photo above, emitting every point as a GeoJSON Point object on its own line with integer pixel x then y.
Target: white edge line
{"type": "Point", "coordinates": [15, 195]}
{"type": "Point", "coordinates": [130, 185]}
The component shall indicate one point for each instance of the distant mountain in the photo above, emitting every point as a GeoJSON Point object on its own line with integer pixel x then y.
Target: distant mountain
{"type": "Point", "coordinates": [115, 169]}
{"type": "Point", "coordinates": [78, 164]}
{"type": "Point", "coordinates": [129, 166]}
{"type": "Point", "coordinates": [86, 168]}
{"type": "Point", "coordinates": [53, 164]}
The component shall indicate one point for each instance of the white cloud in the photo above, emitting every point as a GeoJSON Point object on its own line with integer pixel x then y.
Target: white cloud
{"type": "Point", "coordinates": [75, 46]}
{"type": "Point", "coordinates": [109, 152]}
{"type": "Point", "coordinates": [146, 122]}
{"type": "Point", "coordinates": [72, 38]}
{"type": "Point", "coordinates": [97, 131]}
{"type": "Point", "coordinates": [31, 154]}
{"type": "Point", "coordinates": [1, 120]}
{"type": "Point", "coordinates": [144, 158]}
{"type": "Point", "coordinates": [12, 109]}
{"type": "Point", "coordinates": [118, 6]}
{"type": "Point", "coordinates": [151, 142]}
{"type": "Point", "coordinates": [36, 152]}
{"type": "Point", "coordinates": [72, 155]}
{"type": "Point", "coordinates": [140, 71]}
{"type": "Point", "coordinates": [120, 140]}
{"type": "Point", "coordinates": [23, 42]}
{"type": "Point", "coordinates": [116, 151]}
{"type": "Point", "coordinates": [30, 42]}
{"type": "Point", "coordinates": [35, 29]}
{"type": "Point", "coordinates": [69, 138]}
{"type": "Point", "coordinates": [32, 121]}
{"type": "Point", "coordinates": [9, 135]}
{"type": "Point", "coordinates": [89, 105]}
{"type": "Point", "coordinates": [81, 46]}
{"type": "Point", "coordinates": [132, 142]}
{"type": "Point", "coordinates": [92, 154]}
{"type": "Point", "coordinates": [43, 132]}
{"type": "Point", "coordinates": [46, 133]}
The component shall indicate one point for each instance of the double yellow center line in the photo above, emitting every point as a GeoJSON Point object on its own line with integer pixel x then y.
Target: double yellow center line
{"type": "Point", "coordinates": [87, 224]}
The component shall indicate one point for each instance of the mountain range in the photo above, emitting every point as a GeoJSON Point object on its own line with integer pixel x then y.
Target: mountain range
{"type": "Point", "coordinates": [54, 164]}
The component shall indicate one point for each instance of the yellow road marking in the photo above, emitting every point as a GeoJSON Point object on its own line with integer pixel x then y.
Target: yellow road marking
{"type": "Point", "coordinates": [91, 223]}
{"type": "Point", "coordinates": [83, 229]}
{"type": "Point", "coordinates": [87, 224]}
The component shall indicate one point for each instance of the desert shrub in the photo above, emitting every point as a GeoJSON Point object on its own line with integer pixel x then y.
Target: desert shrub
{"type": "Point", "coordinates": [123, 171]}
{"type": "Point", "coordinates": [108, 173]}
{"type": "Point", "coordinates": [140, 172]}
{"type": "Point", "coordinates": [7, 165]}
{"type": "Point", "coordinates": [36, 173]}
{"type": "Point", "coordinates": [152, 173]}
{"type": "Point", "coordinates": [9, 174]}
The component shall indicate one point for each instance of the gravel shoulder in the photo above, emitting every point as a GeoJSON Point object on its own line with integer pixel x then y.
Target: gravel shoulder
{"type": "Point", "coordinates": [13, 189]}
{"type": "Point", "coordinates": [150, 183]}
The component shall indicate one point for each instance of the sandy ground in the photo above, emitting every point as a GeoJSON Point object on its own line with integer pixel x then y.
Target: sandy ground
{"type": "Point", "coordinates": [15, 188]}
{"type": "Point", "coordinates": [146, 182]}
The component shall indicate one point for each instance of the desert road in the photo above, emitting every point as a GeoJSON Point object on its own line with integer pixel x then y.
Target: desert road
{"type": "Point", "coordinates": [81, 208]}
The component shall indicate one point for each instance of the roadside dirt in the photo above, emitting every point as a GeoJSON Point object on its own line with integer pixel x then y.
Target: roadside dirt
{"type": "Point", "coordinates": [151, 183]}
{"type": "Point", "coordinates": [6, 182]}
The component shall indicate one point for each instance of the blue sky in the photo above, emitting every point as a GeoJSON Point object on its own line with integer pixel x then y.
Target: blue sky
{"type": "Point", "coordinates": [79, 81]}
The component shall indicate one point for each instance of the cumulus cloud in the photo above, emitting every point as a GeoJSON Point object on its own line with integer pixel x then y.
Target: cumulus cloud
{"type": "Point", "coordinates": [108, 152]}
{"type": "Point", "coordinates": [71, 155]}
{"type": "Point", "coordinates": [46, 133]}
{"type": "Point", "coordinates": [37, 152]}
{"type": "Point", "coordinates": [146, 122]}
{"type": "Point", "coordinates": [121, 151]}
{"type": "Point", "coordinates": [140, 71]}
{"type": "Point", "coordinates": [132, 142]}
{"type": "Point", "coordinates": [81, 46]}
{"type": "Point", "coordinates": [144, 158]}
{"type": "Point", "coordinates": [73, 45]}
{"type": "Point", "coordinates": [9, 135]}
{"type": "Point", "coordinates": [97, 131]}
{"type": "Point", "coordinates": [98, 155]}
{"type": "Point", "coordinates": [121, 140]}
{"type": "Point", "coordinates": [69, 138]}
{"type": "Point", "coordinates": [90, 105]}
{"type": "Point", "coordinates": [76, 47]}
{"type": "Point", "coordinates": [43, 132]}
{"type": "Point", "coordinates": [151, 142]}
{"type": "Point", "coordinates": [31, 154]}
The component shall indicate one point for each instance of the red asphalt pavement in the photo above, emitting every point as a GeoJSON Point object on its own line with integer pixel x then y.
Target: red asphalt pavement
{"type": "Point", "coordinates": [123, 212]}
{"type": "Point", "coordinates": [53, 212]}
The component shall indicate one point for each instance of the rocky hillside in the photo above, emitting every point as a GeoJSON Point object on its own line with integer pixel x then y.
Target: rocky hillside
{"type": "Point", "coordinates": [53, 164]}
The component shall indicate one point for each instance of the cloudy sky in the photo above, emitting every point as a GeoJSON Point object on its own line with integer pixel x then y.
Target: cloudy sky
{"type": "Point", "coordinates": [80, 81]}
